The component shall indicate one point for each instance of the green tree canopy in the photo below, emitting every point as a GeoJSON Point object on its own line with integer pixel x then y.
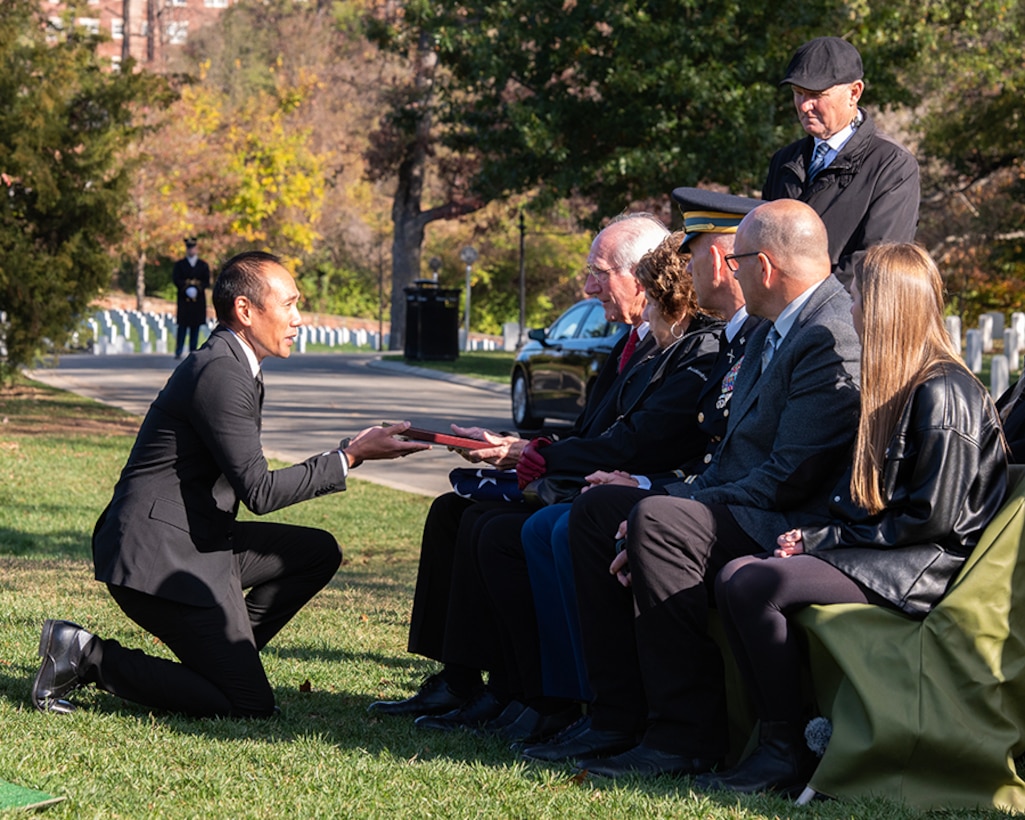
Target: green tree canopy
{"type": "Point", "coordinates": [622, 101]}
{"type": "Point", "coordinates": [973, 132]}
{"type": "Point", "coordinates": [64, 123]}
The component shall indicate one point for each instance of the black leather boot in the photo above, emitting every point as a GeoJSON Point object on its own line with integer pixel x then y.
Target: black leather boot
{"type": "Point", "coordinates": [782, 762]}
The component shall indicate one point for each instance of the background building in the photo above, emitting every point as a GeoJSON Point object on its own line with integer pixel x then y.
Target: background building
{"type": "Point", "coordinates": [151, 31]}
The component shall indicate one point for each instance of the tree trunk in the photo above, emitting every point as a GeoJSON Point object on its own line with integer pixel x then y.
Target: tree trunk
{"type": "Point", "coordinates": [126, 29]}
{"type": "Point", "coordinates": [140, 281]}
{"type": "Point", "coordinates": [407, 240]}
{"type": "Point", "coordinates": [408, 218]}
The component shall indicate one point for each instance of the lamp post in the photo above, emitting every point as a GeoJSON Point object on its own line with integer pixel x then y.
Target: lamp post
{"type": "Point", "coordinates": [523, 280]}
{"type": "Point", "coordinates": [469, 256]}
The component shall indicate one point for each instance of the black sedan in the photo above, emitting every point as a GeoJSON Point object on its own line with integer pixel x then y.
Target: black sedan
{"type": "Point", "coordinates": [554, 372]}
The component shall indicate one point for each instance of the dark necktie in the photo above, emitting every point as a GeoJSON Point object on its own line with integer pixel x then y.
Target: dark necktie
{"type": "Point", "coordinates": [259, 386]}
{"type": "Point", "coordinates": [628, 349]}
{"type": "Point", "coordinates": [770, 347]}
{"type": "Point", "coordinates": [818, 160]}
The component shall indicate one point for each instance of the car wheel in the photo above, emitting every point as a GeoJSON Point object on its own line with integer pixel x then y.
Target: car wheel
{"type": "Point", "coordinates": [522, 412]}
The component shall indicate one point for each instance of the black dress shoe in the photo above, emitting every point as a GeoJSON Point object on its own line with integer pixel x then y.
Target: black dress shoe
{"type": "Point", "coordinates": [474, 714]}
{"type": "Point", "coordinates": [434, 697]}
{"type": "Point", "coordinates": [509, 714]}
{"type": "Point", "coordinates": [580, 742]}
{"type": "Point", "coordinates": [645, 761]}
{"type": "Point", "coordinates": [532, 727]}
{"type": "Point", "coordinates": [60, 647]}
{"type": "Point", "coordinates": [782, 762]}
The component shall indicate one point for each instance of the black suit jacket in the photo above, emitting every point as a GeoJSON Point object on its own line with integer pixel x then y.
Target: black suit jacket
{"type": "Point", "coordinates": [602, 403]}
{"type": "Point", "coordinates": [650, 418]}
{"type": "Point", "coordinates": [1012, 414]}
{"type": "Point", "coordinates": [168, 530]}
{"type": "Point", "coordinates": [790, 428]}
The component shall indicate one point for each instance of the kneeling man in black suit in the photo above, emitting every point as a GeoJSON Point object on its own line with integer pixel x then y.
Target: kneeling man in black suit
{"type": "Point", "coordinates": [168, 545]}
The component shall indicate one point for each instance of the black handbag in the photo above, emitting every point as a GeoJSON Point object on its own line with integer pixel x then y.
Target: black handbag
{"type": "Point", "coordinates": [553, 489]}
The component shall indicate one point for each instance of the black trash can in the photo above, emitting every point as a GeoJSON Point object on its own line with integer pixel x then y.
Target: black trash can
{"type": "Point", "coordinates": [432, 322]}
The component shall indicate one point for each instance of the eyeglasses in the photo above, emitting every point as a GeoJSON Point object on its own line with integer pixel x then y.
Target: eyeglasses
{"type": "Point", "coordinates": [600, 276]}
{"type": "Point", "coordinates": [731, 259]}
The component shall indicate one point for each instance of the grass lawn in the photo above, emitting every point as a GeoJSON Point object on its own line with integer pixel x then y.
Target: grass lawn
{"type": "Point", "coordinates": [495, 366]}
{"type": "Point", "coordinates": [324, 757]}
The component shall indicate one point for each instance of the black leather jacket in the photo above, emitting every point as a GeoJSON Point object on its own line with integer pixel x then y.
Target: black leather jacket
{"type": "Point", "coordinates": [944, 478]}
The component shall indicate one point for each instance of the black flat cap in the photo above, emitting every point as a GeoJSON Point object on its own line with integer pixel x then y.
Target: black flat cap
{"type": "Point", "coordinates": [822, 63]}
{"type": "Point", "coordinates": [707, 211]}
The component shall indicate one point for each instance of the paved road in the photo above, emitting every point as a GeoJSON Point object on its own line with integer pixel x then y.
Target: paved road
{"type": "Point", "coordinates": [314, 400]}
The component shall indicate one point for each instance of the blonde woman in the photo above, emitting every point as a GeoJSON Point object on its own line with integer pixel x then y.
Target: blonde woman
{"type": "Point", "coordinates": [929, 472]}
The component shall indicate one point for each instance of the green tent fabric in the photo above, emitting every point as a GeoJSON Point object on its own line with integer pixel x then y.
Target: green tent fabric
{"type": "Point", "coordinates": [930, 712]}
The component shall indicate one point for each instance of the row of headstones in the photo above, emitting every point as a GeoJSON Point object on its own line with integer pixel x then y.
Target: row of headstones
{"type": "Point", "coordinates": [117, 331]}
{"type": "Point", "coordinates": [120, 331]}
{"type": "Point", "coordinates": [981, 340]}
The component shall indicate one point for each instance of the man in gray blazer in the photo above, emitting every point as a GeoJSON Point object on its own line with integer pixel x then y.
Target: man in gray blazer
{"type": "Point", "coordinates": [168, 545]}
{"type": "Point", "coordinates": [655, 672]}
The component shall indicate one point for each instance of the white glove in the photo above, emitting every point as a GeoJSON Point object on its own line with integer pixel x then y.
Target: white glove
{"type": "Point", "coordinates": [191, 292]}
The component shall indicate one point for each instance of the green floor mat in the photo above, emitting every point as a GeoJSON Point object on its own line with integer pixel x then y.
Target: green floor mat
{"type": "Point", "coordinates": [15, 797]}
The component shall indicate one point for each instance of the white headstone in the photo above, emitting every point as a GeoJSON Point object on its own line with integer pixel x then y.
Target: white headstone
{"type": "Point", "coordinates": [998, 376]}
{"type": "Point", "coordinates": [1018, 325]}
{"type": "Point", "coordinates": [998, 324]}
{"type": "Point", "coordinates": [986, 329]}
{"type": "Point", "coordinates": [510, 335]}
{"type": "Point", "coordinates": [953, 324]}
{"type": "Point", "coordinates": [973, 350]}
{"type": "Point", "coordinates": [1011, 348]}
{"type": "Point", "coordinates": [361, 338]}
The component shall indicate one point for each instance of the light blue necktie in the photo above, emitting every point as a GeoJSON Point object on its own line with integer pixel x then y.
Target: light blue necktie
{"type": "Point", "coordinates": [771, 338]}
{"type": "Point", "coordinates": [818, 160]}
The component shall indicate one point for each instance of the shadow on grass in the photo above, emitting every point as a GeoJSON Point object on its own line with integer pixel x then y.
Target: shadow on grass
{"type": "Point", "coordinates": [70, 543]}
{"type": "Point", "coordinates": [340, 719]}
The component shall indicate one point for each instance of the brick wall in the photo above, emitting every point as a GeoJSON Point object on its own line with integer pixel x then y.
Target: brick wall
{"type": "Point", "coordinates": [155, 30]}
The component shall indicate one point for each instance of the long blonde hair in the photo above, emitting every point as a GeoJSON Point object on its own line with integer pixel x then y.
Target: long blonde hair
{"type": "Point", "coordinates": [903, 339]}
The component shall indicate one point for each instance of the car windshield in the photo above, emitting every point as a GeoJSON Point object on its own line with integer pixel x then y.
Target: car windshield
{"type": "Point", "coordinates": [596, 325]}
{"type": "Point", "coordinates": [566, 325]}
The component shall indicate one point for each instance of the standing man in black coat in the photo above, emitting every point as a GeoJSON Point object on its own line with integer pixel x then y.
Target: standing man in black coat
{"type": "Point", "coordinates": [192, 277]}
{"type": "Point", "coordinates": [863, 185]}
{"type": "Point", "coordinates": [168, 545]}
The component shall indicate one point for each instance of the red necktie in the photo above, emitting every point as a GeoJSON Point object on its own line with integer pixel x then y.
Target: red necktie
{"type": "Point", "coordinates": [628, 350]}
